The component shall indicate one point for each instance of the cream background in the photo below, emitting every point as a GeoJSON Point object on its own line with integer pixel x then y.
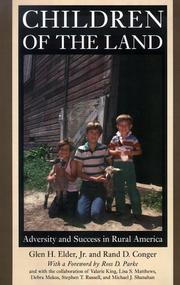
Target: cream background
{"type": "Point", "coordinates": [22, 263]}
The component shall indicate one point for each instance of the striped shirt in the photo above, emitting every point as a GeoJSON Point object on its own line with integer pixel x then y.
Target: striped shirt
{"type": "Point", "coordinates": [94, 162]}
{"type": "Point", "coordinates": [129, 142]}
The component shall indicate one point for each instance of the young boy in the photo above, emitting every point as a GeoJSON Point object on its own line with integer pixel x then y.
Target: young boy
{"type": "Point", "coordinates": [62, 179]}
{"type": "Point", "coordinates": [123, 147]}
{"type": "Point", "coordinates": [91, 158]}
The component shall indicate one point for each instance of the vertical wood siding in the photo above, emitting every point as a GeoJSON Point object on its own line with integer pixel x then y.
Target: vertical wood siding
{"type": "Point", "coordinates": [89, 77]}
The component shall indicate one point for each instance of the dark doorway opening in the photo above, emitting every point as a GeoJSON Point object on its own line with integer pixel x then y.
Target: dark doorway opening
{"type": "Point", "coordinates": [141, 92]}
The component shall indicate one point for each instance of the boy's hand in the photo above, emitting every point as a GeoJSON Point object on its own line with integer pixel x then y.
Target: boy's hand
{"type": "Point", "coordinates": [94, 179]}
{"type": "Point", "coordinates": [118, 152]}
{"type": "Point", "coordinates": [129, 153]}
{"type": "Point", "coordinates": [52, 178]}
{"type": "Point", "coordinates": [97, 179]}
{"type": "Point", "coordinates": [102, 179]}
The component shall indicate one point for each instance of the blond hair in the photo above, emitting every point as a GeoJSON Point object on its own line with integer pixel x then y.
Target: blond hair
{"type": "Point", "coordinates": [124, 117]}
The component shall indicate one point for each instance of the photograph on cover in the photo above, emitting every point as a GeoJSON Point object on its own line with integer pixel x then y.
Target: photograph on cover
{"type": "Point", "coordinates": [93, 135]}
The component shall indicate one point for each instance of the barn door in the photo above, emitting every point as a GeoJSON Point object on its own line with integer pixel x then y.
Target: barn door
{"type": "Point", "coordinates": [80, 113]}
{"type": "Point", "coordinates": [142, 94]}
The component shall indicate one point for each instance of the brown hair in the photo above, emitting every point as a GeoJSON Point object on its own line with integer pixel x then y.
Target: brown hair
{"type": "Point", "coordinates": [124, 117]}
{"type": "Point", "coordinates": [63, 142]}
{"type": "Point", "coordinates": [94, 126]}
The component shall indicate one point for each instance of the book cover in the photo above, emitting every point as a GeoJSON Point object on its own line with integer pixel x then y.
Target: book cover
{"type": "Point", "coordinates": [74, 64]}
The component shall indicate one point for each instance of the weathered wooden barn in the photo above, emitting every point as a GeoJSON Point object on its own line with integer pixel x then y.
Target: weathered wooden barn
{"type": "Point", "coordinates": [63, 92]}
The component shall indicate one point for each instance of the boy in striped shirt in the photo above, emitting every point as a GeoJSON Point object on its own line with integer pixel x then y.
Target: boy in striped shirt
{"type": "Point", "coordinates": [123, 146]}
{"type": "Point", "coordinates": [91, 161]}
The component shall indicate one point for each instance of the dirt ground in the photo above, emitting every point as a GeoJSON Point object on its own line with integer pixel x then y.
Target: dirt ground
{"type": "Point", "coordinates": [36, 218]}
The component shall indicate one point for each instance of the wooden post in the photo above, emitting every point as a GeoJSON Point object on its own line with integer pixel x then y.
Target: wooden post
{"type": "Point", "coordinates": [66, 78]}
{"type": "Point", "coordinates": [111, 101]}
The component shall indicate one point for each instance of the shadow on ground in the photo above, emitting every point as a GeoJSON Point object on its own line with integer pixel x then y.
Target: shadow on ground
{"type": "Point", "coordinates": [37, 219]}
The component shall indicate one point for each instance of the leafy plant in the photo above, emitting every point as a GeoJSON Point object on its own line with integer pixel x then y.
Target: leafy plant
{"type": "Point", "coordinates": [153, 199]}
{"type": "Point", "coordinates": [36, 168]}
{"type": "Point", "coordinates": [42, 152]}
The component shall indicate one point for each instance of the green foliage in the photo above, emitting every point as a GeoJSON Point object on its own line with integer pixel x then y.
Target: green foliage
{"type": "Point", "coordinates": [153, 199]}
{"type": "Point", "coordinates": [36, 168]}
{"type": "Point", "coordinates": [43, 152]}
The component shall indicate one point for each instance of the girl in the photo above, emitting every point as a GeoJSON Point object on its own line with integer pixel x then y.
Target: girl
{"type": "Point", "coordinates": [62, 179]}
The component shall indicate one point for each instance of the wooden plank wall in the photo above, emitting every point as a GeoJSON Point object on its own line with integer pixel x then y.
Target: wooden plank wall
{"type": "Point", "coordinates": [89, 77]}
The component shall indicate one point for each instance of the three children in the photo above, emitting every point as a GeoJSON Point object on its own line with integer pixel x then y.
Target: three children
{"type": "Point", "coordinates": [89, 163]}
